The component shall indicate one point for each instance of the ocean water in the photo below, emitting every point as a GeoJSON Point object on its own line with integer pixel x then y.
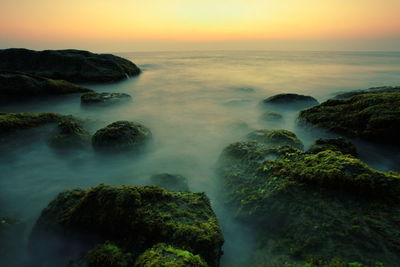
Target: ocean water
{"type": "Point", "coordinates": [195, 103]}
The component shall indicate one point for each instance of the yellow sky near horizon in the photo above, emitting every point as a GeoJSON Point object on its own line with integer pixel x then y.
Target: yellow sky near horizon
{"type": "Point", "coordinates": [206, 20]}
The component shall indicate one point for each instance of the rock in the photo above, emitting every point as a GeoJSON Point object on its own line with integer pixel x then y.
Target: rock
{"type": "Point", "coordinates": [121, 136]}
{"type": "Point", "coordinates": [335, 144]}
{"type": "Point", "coordinates": [383, 89]}
{"type": "Point", "coordinates": [173, 182]}
{"type": "Point", "coordinates": [131, 217]}
{"type": "Point", "coordinates": [166, 255]}
{"type": "Point", "coordinates": [12, 122]}
{"type": "Point", "coordinates": [69, 135]}
{"type": "Point", "coordinates": [70, 65]}
{"type": "Point", "coordinates": [373, 116]}
{"type": "Point", "coordinates": [302, 207]}
{"type": "Point", "coordinates": [290, 101]}
{"type": "Point", "coordinates": [24, 86]}
{"type": "Point", "coordinates": [275, 138]}
{"type": "Point", "coordinates": [108, 255]}
{"type": "Point", "coordinates": [104, 99]}
{"type": "Point", "coordinates": [270, 116]}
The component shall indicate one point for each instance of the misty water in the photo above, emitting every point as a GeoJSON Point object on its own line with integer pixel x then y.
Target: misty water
{"type": "Point", "coordinates": [195, 103]}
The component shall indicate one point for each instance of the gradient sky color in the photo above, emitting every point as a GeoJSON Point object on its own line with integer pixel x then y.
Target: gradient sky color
{"type": "Point", "coordinates": [129, 25]}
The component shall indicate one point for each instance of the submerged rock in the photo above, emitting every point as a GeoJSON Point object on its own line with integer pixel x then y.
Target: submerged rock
{"type": "Point", "coordinates": [132, 218]}
{"type": "Point", "coordinates": [174, 182]}
{"type": "Point", "coordinates": [121, 136]}
{"type": "Point", "coordinates": [104, 99]}
{"type": "Point", "coordinates": [23, 86]}
{"type": "Point", "coordinates": [166, 255]}
{"type": "Point", "coordinates": [373, 116]}
{"type": "Point", "coordinates": [310, 209]}
{"type": "Point", "coordinates": [290, 101]}
{"type": "Point", "coordinates": [70, 65]}
{"type": "Point", "coordinates": [335, 144]}
{"type": "Point", "coordinates": [275, 138]}
{"type": "Point", "coordinates": [270, 116]}
{"type": "Point", "coordinates": [69, 134]}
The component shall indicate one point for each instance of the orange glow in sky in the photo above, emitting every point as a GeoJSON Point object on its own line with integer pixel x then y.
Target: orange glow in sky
{"type": "Point", "coordinates": [113, 21]}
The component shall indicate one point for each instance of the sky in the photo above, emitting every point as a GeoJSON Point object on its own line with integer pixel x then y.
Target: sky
{"type": "Point", "coordinates": [148, 25]}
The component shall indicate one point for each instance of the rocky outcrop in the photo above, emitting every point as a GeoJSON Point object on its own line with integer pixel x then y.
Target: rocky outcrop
{"type": "Point", "coordinates": [278, 137]}
{"type": "Point", "coordinates": [290, 101]}
{"type": "Point", "coordinates": [335, 144]}
{"type": "Point", "coordinates": [132, 219]}
{"type": "Point", "coordinates": [12, 122]}
{"type": "Point", "coordinates": [70, 65]}
{"type": "Point", "coordinates": [104, 99]}
{"type": "Point", "coordinates": [121, 136]}
{"type": "Point", "coordinates": [173, 182]}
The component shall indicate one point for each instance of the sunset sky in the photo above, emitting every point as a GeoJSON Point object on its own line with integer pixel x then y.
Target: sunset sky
{"type": "Point", "coordinates": [132, 25]}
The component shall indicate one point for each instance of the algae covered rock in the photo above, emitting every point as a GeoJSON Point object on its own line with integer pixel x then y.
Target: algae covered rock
{"type": "Point", "coordinates": [290, 101]}
{"type": "Point", "coordinates": [169, 256]}
{"type": "Point", "coordinates": [121, 136]}
{"type": "Point", "coordinates": [132, 218]}
{"type": "Point", "coordinates": [303, 207]}
{"type": "Point", "coordinates": [373, 116]}
{"type": "Point", "coordinates": [383, 89]}
{"type": "Point", "coordinates": [69, 134]}
{"type": "Point", "coordinates": [108, 255]}
{"type": "Point", "coordinates": [334, 144]}
{"type": "Point", "coordinates": [23, 86]}
{"type": "Point", "coordinates": [70, 65]}
{"type": "Point", "coordinates": [104, 99]}
{"type": "Point", "coordinates": [12, 122]}
{"type": "Point", "coordinates": [174, 182]}
{"type": "Point", "coordinates": [275, 138]}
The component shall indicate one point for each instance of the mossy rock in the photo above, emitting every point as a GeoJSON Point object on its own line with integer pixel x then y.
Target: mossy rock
{"type": "Point", "coordinates": [69, 134]}
{"type": "Point", "coordinates": [121, 136]}
{"type": "Point", "coordinates": [173, 182]}
{"type": "Point", "coordinates": [70, 65]}
{"type": "Point", "coordinates": [104, 99]}
{"type": "Point", "coordinates": [169, 256]}
{"type": "Point", "coordinates": [373, 116]}
{"type": "Point", "coordinates": [131, 217]}
{"type": "Point", "coordinates": [335, 144]}
{"type": "Point", "coordinates": [270, 116]}
{"type": "Point", "coordinates": [24, 86]}
{"type": "Point", "coordinates": [12, 122]}
{"type": "Point", "coordinates": [108, 255]}
{"type": "Point", "coordinates": [313, 206]}
{"type": "Point", "coordinates": [383, 89]}
{"type": "Point", "coordinates": [290, 101]}
{"type": "Point", "coordinates": [275, 138]}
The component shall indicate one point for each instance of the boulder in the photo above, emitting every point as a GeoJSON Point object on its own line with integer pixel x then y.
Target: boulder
{"type": "Point", "coordinates": [132, 218]}
{"type": "Point", "coordinates": [69, 135]}
{"type": "Point", "coordinates": [166, 255]}
{"type": "Point", "coordinates": [104, 99]}
{"type": "Point", "coordinates": [70, 65]}
{"type": "Point", "coordinates": [335, 144]}
{"type": "Point", "coordinates": [173, 182]}
{"type": "Point", "coordinates": [25, 86]}
{"type": "Point", "coordinates": [373, 116]}
{"type": "Point", "coordinates": [312, 209]}
{"type": "Point", "coordinates": [121, 136]}
{"type": "Point", "coordinates": [290, 101]}
{"type": "Point", "coordinates": [275, 138]}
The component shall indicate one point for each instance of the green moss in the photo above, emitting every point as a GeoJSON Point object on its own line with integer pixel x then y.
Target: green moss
{"type": "Point", "coordinates": [173, 182]}
{"type": "Point", "coordinates": [108, 255]}
{"type": "Point", "coordinates": [275, 138]}
{"type": "Point", "coordinates": [11, 122]}
{"type": "Point", "coordinates": [372, 116]}
{"type": "Point", "coordinates": [69, 134]}
{"type": "Point", "coordinates": [168, 256]}
{"type": "Point", "coordinates": [136, 218]}
{"type": "Point", "coordinates": [335, 144]}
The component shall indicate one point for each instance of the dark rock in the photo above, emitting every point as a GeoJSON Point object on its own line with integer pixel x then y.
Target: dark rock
{"type": "Point", "coordinates": [383, 89]}
{"type": "Point", "coordinates": [173, 182]}
{"type": "Point", "coordinates": [302, 207]}
{"type": "Point", "coordinates": [69, 135]}
{"type": "Point", "coordinates": [23, 86]}
{"type": "Point", "coordinates": [290, 101]}
{"type": "Point", "coordinates": [121, 136]}
{"type": "Point", "coordinates": [373, 116]}
{"type": "Point", "coordinates": [12, 122]}
{"type": "Point", "coordinates": [270, 116]}
{"type": "Point", "coordinates": [335, 144]}
{"type": "Point", "coordinates": [108, 255]}
{"type": "Point", "coordinates": [166, 255]}
{"type": "Point", "coordinates": [70, 65]}
{"type": "Point", "coordinates": [275, 138]}
{"type": "Point", "coordinates": [104, 99]}
{"type": "Point", "coordinates": [130, 217]}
